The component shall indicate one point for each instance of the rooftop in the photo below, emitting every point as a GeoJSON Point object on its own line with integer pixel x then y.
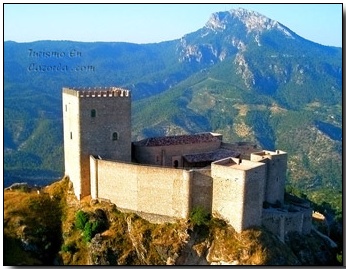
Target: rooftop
{"type": "Point", "coordinates": [211, 156]}
{"type": "Point", "coordinates": [179, 140]}
{"type": "Point", "coordinates": [238, 163]}
{"type": "Point", "coordinates": [96, 91]}
{"type": "Point", "coordinates": [267, 152]}
{"type": "Point", "coordinates": [94, 88]}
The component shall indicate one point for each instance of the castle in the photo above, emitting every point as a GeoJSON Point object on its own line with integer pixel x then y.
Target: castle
{"type": "Point", "coordinates": [167, 177]}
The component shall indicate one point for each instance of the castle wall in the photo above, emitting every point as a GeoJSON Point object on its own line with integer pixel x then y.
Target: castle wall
{"type": "Point", "coordinates": [275, 174]}
{"type": "Point", "coordinates": [118, 183]}
{"type": "Point", "coordinates": [282, 222]}
{"type": "Point", "coordinates": [163, 191]}
{"type": "Point", "coordinates": [202, 189]}
{"type": "Point", "coordinates": [156, 190]}
{"type": "Point", "coordinates": [72, 149]}
{"type": "Point", "coordinates": [293, 222]}
{"type": "Point", "coordinates": [253, 197]}
{"type": "Point", "coordinates": [307, 221]}
{"type": "Point", "coordinates": [93, 176]}
{"type": "Point", "coordinates": [244, 148]}
{"type": "Point", "coordinates": [274, 221]}
{"type": "Point", "coordinates": [165, 155]}
{"type": "Point", "coordinates": [238, 191]}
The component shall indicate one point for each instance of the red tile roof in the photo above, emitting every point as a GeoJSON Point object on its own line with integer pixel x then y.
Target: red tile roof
{"type": "Point", "coordinates": [178, 140]}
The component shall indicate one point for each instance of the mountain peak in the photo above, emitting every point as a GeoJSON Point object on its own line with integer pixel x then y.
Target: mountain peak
{"type": "Point", "coordinates": [252, 20]}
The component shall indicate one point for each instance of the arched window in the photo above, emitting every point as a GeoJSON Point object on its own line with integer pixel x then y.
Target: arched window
{"type": "Point", "coordinates": [93, 113]}
{"type": "Point", "coordinates": [115, 136]}
{"type": "Point", "coordinates": [176, 164]}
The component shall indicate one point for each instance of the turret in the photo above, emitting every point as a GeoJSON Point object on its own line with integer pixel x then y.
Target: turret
{"type": "Point", "coordinates": [276, 167]}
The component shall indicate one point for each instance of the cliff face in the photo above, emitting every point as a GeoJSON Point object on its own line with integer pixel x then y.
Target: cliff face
{"type": "Point", "coordinates": [49, 226]}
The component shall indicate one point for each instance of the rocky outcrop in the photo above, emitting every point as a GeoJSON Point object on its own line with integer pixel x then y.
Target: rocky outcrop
{"type": "Point", "coordinates": [127, 239]}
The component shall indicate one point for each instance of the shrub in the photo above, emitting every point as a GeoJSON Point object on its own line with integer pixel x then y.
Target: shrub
{"type": "Point", "coordinates": [91, 228]}
{"type": "Point", "coordinates": [71, 247]}
{"type": "Point", "coordinates": [97, 227]}
{"type": "Point", "coordinates": [91, 224]}
{"type": "Point", "coordinates": [81, 219]}
{"type": "Point", "coordinates": [87, 232]}
{"type": "Point", "coordinates": [199, 216]}
{"type": "Point", "coordinates": [339, 257]}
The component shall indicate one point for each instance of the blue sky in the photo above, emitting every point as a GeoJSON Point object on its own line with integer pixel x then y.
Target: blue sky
{"type": "Point", "coordinates": [149, 23]}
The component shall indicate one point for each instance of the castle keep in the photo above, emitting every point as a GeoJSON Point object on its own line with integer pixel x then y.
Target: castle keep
{"type": "Point", "coordinates": [95, 123]}
{"type": "Point", "coordinates": [168, 177]}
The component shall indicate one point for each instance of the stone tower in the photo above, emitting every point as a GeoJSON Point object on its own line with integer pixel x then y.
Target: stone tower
{"type": "Point", "coordinates": [97, 122]}
{"type": "Point", "coordinates": [276, 167]}
{"type": "Point", "coordinates": [238, 190]}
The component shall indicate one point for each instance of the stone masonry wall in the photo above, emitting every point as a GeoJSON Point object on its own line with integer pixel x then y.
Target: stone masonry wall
{"type": "Point", "coordinates": [253, 197]}
{"type": "Point", "coordinates": [281, 222]}
{"type": "Point", "coordinates": [276, 173]}
{"type": "Point", "coordinates": [163, 155]}
{"type": "Point", "coordinates": [244, 148]}
{"type": "Point", "coordinates": [238, 191]}
{"type": "Point", "coordinates": [307, 221]}
{"type": "Point", "coordinates": [156, 190]}
{"type": "Point", "coordinates": [202, 189]}
{"type": "Point", "coordinates": [94, 176]}
{"type": "Point", "coordinates": [274, 221]}
{"type": "Point", "coordinates": [96, 122]}
{"type": "Point", "coordinates": [72, 150]}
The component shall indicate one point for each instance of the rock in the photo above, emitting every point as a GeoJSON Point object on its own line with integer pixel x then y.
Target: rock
{"type": "Point", "coordinates": [93, 202]}
{"type": "Point", "coordinates": [28, 245]}
{"type": "Point", "coordinates": [70, 186]}
{"type": "Point", "coordinates": [225, 263]}
{"type": "Point", "coordinates": [170, 261]}
{"type": "Point", "coordinates": [16, 186]}
{"type": "Point", "coordinates": [98, 252]}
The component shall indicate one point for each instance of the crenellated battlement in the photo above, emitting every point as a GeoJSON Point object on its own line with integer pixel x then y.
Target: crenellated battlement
{"type": "Point", "coordinates": [97, 92]}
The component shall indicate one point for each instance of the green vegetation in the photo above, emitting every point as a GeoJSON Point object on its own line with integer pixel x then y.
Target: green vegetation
{"type": "Point", "coordinates": [81, 219]}
{"type": "Point", "coordinates": [71, 247]}
{"type": "Point", "coordinates": [339, 257]}
{"type": "Point", "coordinates": [89, 225]}
{"type": "Point", "coordinates": [199, 216]}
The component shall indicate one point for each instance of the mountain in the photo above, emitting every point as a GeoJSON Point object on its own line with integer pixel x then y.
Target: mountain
{"type": "Point", "coordinates": [242, 74]}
